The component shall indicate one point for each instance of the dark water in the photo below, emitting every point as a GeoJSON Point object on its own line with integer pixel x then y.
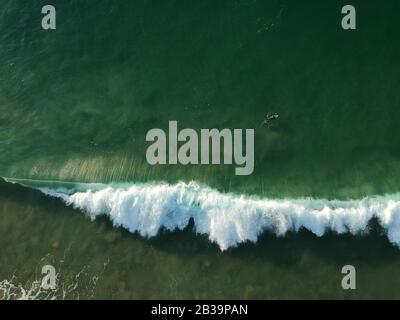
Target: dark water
{"type": "Point", "coordinates": [76, 104]}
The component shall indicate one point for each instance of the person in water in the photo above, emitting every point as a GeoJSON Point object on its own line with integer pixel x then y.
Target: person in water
{"type": "Point", "coordinates": [271, 116]}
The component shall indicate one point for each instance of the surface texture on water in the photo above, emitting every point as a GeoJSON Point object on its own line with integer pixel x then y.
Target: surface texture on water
{"type": "Point", "coordinates": [76, 104]}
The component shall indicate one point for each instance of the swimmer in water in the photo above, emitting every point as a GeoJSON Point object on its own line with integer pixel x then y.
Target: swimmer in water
{"type": "Point", "coordinates": [271, 116]}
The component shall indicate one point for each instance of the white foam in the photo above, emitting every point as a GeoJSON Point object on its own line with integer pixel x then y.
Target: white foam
{"type": "Point", "coordinates": [230, 219]}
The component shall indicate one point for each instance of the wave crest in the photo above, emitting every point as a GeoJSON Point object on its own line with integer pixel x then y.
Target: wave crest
{"type": "Point", "coordinates": [230, 219]}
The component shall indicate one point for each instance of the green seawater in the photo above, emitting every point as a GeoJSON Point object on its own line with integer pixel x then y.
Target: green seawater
{"type": "Point", "coordinates": [76, 104]}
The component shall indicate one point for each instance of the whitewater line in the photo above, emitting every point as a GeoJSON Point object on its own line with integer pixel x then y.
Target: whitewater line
{"type": "Point", "coordinates": [229, 219]}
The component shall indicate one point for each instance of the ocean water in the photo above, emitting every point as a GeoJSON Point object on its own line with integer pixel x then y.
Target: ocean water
{"type": "Point", "coordinates": [76, 104]}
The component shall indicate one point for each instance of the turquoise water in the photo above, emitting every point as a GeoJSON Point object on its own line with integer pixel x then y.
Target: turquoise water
{"type": "Point", "coordinates": [76, 104]}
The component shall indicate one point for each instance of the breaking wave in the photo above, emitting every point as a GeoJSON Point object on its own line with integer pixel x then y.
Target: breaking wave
{"type": "Point", "coordinates": [229, 219]}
